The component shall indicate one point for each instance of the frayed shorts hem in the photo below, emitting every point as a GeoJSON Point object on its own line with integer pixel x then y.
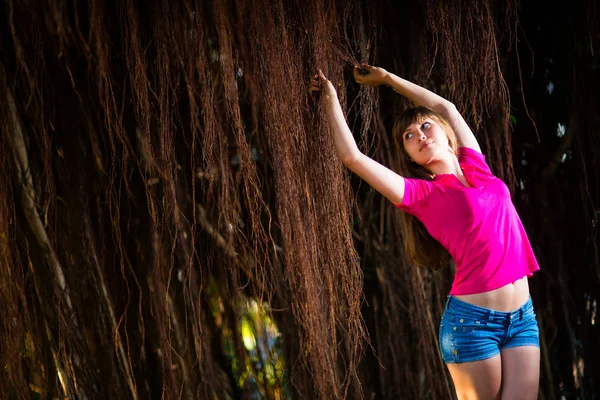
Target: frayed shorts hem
{"type": "Point", "coordinates": [489, 355]}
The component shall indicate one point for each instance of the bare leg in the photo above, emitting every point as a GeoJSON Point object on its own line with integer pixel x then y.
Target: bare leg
{"type": "Point", "coordinates": [520, 372]}
{"type": "Point", "coordinates": [477, 379]}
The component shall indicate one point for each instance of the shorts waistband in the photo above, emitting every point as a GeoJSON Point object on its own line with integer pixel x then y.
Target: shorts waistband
{"type": "Point", "coordinates": [486, 314]}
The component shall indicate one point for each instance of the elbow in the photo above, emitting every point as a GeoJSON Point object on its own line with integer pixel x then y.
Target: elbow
{"type": "Point", "coordinates": [447, 109]}
{"type": "Point", "coordinates": [350, 159]}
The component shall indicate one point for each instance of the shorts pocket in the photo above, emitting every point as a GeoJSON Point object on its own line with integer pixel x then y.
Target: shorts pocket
{"type": "Point", "coordinates": [474, 339]}
{"type": "Point", "coordinates": [529, 315]}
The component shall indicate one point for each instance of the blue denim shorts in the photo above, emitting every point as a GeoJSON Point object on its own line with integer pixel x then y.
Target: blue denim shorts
{"type": "Point", "coordinates": [472, 333]}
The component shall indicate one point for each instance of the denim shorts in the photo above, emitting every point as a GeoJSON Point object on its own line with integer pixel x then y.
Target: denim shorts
{"type": "Point", "coordinates": [472, 333]}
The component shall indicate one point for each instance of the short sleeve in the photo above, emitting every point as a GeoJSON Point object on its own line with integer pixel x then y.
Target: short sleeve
{"type": "Point", "coordinates": [416, 193]}
{"type": "Point", "coordinates": [468, 156]}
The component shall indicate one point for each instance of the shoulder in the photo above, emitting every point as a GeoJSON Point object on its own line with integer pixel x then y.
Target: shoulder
{"type": "Point", "coordinates": [417, 193]}
{"type": "Point", "coordinates": [468, 152]}
{"type": "Point", "coordinates": [472, 157]}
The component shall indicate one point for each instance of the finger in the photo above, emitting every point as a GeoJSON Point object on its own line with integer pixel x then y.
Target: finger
{"type": "Point", "coordinates": [360, 70]}
{"type": "Point", "coordinates": [322, 76]}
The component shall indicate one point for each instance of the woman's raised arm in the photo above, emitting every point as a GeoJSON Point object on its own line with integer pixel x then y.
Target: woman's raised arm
{"type": "Point", "coordinates": [375, 76]}
{"type": "Point", "coordinates": [382, 179]}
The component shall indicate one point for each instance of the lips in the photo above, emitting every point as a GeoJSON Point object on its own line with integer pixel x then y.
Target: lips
{"type": "Point", "coordinates": [426, 144]}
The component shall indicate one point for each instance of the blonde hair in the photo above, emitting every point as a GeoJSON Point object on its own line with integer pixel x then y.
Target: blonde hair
{"type": "Point", "coordinates": [421, 249]}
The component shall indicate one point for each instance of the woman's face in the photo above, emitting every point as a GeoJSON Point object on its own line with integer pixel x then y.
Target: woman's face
{"type": "Point", "coordinates": [426, 142]}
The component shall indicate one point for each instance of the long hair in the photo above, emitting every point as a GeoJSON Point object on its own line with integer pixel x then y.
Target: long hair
{"type": "Point", "coordinates": [421, 249]}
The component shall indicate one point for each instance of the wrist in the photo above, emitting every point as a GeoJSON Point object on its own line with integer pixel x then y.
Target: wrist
{"type": "Point", "coordinates": [387, 78]}
{"type": "Point", "coordinates": [330, 98]}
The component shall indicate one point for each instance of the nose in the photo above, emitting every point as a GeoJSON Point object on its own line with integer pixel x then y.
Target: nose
{"type": "Point", "coordinates": [422, 135]}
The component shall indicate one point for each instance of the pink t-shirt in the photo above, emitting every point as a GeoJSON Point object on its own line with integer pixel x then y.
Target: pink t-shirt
{"type": "Point", "coordinates": [478, 225]}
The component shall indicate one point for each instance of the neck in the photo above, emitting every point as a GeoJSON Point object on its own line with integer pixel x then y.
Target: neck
{"type": "Point", "coordinates": [447, 165]}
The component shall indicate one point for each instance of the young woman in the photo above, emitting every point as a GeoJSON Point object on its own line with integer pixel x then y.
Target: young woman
{"type": "Point", "coordinates": [488, 336]}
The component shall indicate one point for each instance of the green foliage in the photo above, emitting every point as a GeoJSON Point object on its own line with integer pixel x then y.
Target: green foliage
{"type": "Point", "coordinates": [258, 365]}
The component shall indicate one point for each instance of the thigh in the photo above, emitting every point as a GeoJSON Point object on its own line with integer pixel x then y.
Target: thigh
{"type": "Point", "coordinates": [520, 372]}
{"type": "Point", "coordinates": [477, 379]}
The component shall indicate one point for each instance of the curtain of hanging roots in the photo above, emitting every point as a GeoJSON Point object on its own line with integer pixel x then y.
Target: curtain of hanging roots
{"type": "Point", "coordinates": [151, 150]}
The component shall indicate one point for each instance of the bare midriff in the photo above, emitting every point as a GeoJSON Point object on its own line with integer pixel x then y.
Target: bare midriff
{"type": "Point", "coordinates": [507, 298]}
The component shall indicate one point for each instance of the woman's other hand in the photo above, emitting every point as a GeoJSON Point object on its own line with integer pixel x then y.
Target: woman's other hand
{"type": "Point", "coordinates": [369, 75]}
{"type": "Point", "coordinates": [320, 85]}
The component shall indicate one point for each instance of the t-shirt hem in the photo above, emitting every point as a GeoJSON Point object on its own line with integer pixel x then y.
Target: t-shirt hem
{"type": "Point", "coordinates": [484, 289]}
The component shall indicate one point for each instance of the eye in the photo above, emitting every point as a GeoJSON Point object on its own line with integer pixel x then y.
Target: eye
{"type": "Point", "coordinates": [425, 125]}
{"type": "Point", "coordinates": [408, 135]}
